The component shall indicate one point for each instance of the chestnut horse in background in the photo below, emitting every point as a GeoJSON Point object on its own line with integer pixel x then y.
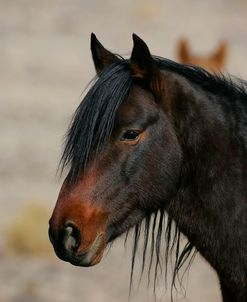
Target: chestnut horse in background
{"type": "Point", "coordinates": [215, 62]}
{"type": "Point", "coordinates": [154, 136]}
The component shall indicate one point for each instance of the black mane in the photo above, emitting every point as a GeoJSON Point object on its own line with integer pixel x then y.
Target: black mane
{"type": "Point", "coordinates": [93, 120]}
{"type": "Point", "coordinates": [216, 83]}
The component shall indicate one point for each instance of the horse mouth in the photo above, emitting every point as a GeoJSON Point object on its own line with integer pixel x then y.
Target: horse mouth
{"type": "Point", "coordinates": [92, 255]}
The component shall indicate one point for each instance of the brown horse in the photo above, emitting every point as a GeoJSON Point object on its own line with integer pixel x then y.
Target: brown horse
{"type": "Point", "coordinates": [214, 62]}
{"type": "Point", "coordinates": [150, 136]}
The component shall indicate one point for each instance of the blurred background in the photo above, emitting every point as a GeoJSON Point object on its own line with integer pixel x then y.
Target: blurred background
{"type": "Point", "coordinates": [45, 64]}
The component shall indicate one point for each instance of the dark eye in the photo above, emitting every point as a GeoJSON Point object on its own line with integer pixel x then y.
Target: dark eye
{"type": "Point", "coordinates": [130, 135]}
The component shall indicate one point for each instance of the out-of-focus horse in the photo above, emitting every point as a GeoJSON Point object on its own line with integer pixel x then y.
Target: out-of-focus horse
{"type": "Point", "coordinates": [214, 62]}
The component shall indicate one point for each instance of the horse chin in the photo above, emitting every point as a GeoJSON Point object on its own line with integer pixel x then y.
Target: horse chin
{"type": "Point", "coordinates": [82, 263]}
{"type": "Point", "coordinates": [115, 230]}
{"type": "Point", "coordinates": [92, 255]}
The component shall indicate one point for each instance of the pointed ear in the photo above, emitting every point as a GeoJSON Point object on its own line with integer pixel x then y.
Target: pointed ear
{"type": "Point", "coordinates": [183, 51]}
{"type": "Point", "coordinates": [144, 67]}
{"type": "Point", "coordinates": [102, 57]}
{"type": "Point", "coordinates": [221, 53]}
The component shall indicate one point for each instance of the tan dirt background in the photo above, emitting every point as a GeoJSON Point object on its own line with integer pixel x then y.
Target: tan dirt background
{"type": "Point", "coordinates": [45, 64]}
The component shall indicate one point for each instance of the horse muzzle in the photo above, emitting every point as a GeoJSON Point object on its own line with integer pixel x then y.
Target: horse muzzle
{"type": "Point", "coordinates": [69, 246]}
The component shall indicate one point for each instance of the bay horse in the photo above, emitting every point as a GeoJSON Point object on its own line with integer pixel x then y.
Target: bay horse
{"type": "Point", "coordinates": [154, 136]}
{"type": "Point", "coordinates": [213, 62]}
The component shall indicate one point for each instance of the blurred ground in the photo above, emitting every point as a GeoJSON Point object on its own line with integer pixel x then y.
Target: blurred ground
{"type": "Point", "coordinates": [45, 64]}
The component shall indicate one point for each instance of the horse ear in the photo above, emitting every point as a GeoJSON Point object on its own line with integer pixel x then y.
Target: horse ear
{"type": "Point", "coordinates": [101, 56]}
{"type": "Point", "coordinates": [221, 53]}
{"type": "Point", "coordinates": [183, 51]}
{"type": "Point", "coordinates": [144, 67]}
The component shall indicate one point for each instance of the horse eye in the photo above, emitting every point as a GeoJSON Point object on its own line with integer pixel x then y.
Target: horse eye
{"type": "Point", "coordinates": [130, 135]}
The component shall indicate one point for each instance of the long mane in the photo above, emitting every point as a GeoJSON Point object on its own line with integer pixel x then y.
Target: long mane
{"type": "Point", "coordinates": [93, 121]}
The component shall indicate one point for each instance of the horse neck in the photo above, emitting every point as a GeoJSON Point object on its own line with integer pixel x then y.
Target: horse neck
{"type": "Point", "coordinates": [207, 200]}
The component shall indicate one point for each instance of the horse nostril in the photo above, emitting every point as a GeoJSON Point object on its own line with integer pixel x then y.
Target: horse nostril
{"type": "Point", "coordinates": [72, 237]}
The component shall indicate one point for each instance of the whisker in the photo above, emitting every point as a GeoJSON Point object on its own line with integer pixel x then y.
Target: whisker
{"type": "Point", "coordinates": [135, 246]}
